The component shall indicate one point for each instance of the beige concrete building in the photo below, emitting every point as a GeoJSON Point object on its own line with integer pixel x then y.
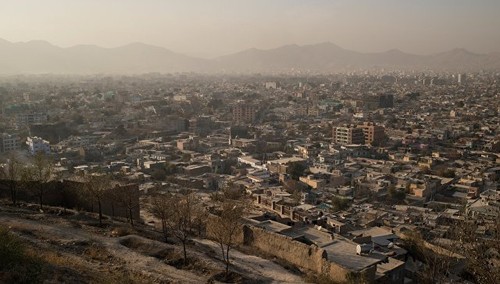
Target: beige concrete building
{"type": "Point", "coordinates": [244, 113]}
{"type": "Point", "coordinates": [374, 134]}
{"type": "Point", "coordinates": [348, 134]}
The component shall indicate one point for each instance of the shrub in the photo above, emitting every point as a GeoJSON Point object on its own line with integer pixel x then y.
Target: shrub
{"type": "Point", "coordinates": [11, 249]}
{"type": "Point", "coordinates": [16, 266]}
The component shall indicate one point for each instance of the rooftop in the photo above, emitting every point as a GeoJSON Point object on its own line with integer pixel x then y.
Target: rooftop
{"type": "Point", "coordinates": [343, 252]}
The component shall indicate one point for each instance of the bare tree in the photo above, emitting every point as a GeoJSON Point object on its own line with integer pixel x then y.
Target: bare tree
{"type": "Point", "coordinates": [38, 174]}
{"type": "Point", "coordinates": [96, 187]}
{"type": "Point", "coordinates": [127, 197]}
{"type": "Point", "coordinates": [479, 250]}
{"type": "Point", "coordinates": [178, 215]}
{"type": "Point", "coordinates": [160, 208]}
{"type": "Point", "coordinates": [13, 174]}
{"type": "Point", "coordinates": [226, 227]}
{"type": "Point", "coordinates": [438, 262]}
{"type": "Point", "coordinates": [180, 219]}
{"type": "Point", "coordinates": [199, 218]}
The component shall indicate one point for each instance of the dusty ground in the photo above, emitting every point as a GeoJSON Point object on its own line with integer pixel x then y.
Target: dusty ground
{"type": "Point", "coordinates": [76, 250]}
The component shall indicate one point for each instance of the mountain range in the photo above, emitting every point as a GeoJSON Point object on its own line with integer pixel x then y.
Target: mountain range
{"type": "Point", "coordinates": [41, 57]}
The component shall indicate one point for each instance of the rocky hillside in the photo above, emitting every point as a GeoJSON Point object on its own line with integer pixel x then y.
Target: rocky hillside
{"type": "Point", "coordinates": [70, 247]}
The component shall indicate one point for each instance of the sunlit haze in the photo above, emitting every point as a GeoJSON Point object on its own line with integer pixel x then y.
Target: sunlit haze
{"type": "Point", "coordinates": [218, 27]}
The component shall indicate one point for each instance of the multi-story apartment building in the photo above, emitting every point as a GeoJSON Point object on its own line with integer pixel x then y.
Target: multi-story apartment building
{"type": "Point", "coordinates": [9, 142]}
{"type": "Point", "coordinates": [348, 134]}
{"type": "Point", "coordinates": [244, 113]}
{"type": "Point", "coordinates": [31, 118]}
{"type": "Point", "coordinates": [374, 134]}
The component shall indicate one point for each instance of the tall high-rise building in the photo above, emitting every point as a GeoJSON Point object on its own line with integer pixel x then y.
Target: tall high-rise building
{"type": "Point", "coordinates": [348, 134]}
{"type": "Point", "coordinates": [461, 79]}
{"type": "Point", "coordinates": [374, 134]}
{"type": "Point", "coordinates": [244, 113]}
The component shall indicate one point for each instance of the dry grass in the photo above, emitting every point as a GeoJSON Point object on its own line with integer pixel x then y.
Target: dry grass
{"type": "Point", "coordinates": [68, 268]}
{"type": "Point", "coordinates": [147, 247]}
{"type": "Point", "coordinates": [97, 252]}
{"type": "Point", "coordinates": [122, 231]}
{"type": "Point", "coordinates": [17, 264]}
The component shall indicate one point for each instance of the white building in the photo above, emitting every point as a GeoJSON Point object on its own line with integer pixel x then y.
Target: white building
{"type": "Point", "coordinates": [461, 78]}
{"type": "Point", "coordinates": [37, 144]}
{"type": "Point", "coordinates": [271, 85]}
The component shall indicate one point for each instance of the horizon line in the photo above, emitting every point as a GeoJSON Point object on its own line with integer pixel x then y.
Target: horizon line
{"type": "Point", "coordinates": [243, 50]}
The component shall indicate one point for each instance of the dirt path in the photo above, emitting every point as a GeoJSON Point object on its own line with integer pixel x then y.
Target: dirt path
{"type": "Point", "coordinates": [255, 265]}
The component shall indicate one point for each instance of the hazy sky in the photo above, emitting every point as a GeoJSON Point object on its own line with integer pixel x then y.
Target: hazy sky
{"type": "Point", "coordinates": [216, 27]}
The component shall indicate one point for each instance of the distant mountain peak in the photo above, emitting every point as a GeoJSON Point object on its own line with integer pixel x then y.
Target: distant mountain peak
{"type": "Point", "coordinates": [141, 45]}
{"type": "Point", "coordinates": [38, 43]}
{"type": "Point", "coordinates": [138, 44]}
{"type": "Point", "coordinates": [327, 43]}
{"type": "Point", "coordinates": [40, 56]}
{"type": "Point", "coordinates": [461, 51]}
{"type": "Point", "coordinates": [395, 50]}
{"type": "Point", "coordinates": [291, 45]}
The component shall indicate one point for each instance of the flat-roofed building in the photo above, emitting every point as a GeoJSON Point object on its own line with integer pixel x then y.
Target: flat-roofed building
{"type": "Point", "coordinates": [244, 113]}
{"type": "Point", "coordinates": [31, 118]}
{"type": "Point", "coordinates": [374, 134]}
{"type": "Point", "coordinates": [9, 142]}
{"type": "Point", "coordinates": [348, 134]}
{"type": "Point", "coordinates": [38, 145]}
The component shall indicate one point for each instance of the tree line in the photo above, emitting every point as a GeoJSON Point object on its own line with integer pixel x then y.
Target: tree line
{"type": "Point", "coordinates": [184, 215]}
{"type": "Point", "coordinates": [37, 176]}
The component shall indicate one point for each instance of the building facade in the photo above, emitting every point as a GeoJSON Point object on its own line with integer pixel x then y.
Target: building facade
{"type": "Point", "coordinates": [38, 145]}
{"type": "Point", "coordinates": [31, 118]}
{"type": "Point", "coordinates": [348, 134]}
{"type": "Point", "coordinates": [374, 134]}
{"type": "Point", "coordinates": [9, 143]}
{"type": "Point", "coordinates": [244, 113]}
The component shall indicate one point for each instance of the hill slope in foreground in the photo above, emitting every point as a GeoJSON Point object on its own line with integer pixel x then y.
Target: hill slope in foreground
{"type": "Point", "coordinates": [71, 248]}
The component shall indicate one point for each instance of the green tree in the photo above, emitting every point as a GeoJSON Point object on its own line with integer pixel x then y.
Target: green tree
{"type": "Point", "coordinates": [170, 169]}
{"type": "Point", "coordinates": [396, 194]}
{"type": "Point", "coordinates": [297, 170]}
{"type": "Point", "coordinates": [159, 174]}
{"type": "Point", "coordinates": [340, 203]}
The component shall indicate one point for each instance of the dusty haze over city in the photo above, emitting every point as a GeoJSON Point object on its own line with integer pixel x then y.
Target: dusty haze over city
{"type": "Point", "coordinates": [250, 141]}
{"type": "Point", "coordinates": [214, 28]}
